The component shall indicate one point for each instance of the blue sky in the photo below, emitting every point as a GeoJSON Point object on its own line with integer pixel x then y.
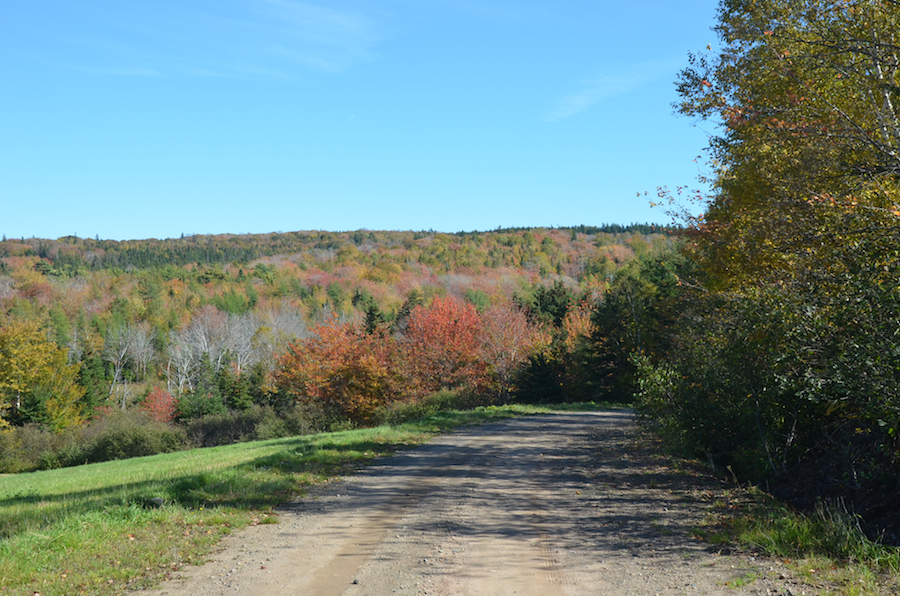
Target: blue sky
{"type": "Point", "coordinates": [135, 119]}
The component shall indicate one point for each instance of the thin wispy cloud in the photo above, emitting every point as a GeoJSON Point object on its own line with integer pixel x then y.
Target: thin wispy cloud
{"type": "Point", "coordinates": [245, 39]}
{"type": "Point", "coordinates": [319, 37]}
{"type": "Point", "coordinates": [318, 23]}
{"type": "Point", "coordinates": [594, 90]}
{"type": "Point", "coordinates": [497, 11]}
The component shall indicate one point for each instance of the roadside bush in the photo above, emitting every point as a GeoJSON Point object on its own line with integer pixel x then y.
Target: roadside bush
{"type": "Point", "coordinates": [543, 379]}
{"type": "Point", "coordinates": [224, 428]}
{"type": "Point", "coordinates": [122, 435]}
{"type": "Point", "coordinates": [289, 422]}
{"type": "Point", "coordinates": [715, 394]}
{"type": "Point", "coordinates": [33, 447]}
{"type": "Point", "coordinates": [794, 385]}
{"type": "Point", "coordinates": [9, 451]}
{"type": "Point", "coordinates": [256, 423]}
{"type": "Point", "coordinates": [400, 412]}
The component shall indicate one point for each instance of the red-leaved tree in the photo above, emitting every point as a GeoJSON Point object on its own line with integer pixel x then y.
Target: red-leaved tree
{"type": "Point", "coordinates": [441, 346]}
{"type": "Point", "coordinates": [160, 405]}
{"type": "Point", "coordinates": [506, 339]}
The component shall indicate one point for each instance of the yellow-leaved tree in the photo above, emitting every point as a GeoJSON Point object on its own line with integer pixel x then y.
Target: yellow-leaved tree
{"type": "Point", "coordinates": [807, 156]}
{"type": "Point", "coordinates": [784, 363]}
{"type": "Point", "coordinates": [37, 384]}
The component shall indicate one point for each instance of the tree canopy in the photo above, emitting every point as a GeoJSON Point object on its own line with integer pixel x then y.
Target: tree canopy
{"type": "Point", "coordinates": [36, 382]}
{"type": "Point", "coordinates": [782, 362]}
{"type": "Point", "coordinates": [807, 96]}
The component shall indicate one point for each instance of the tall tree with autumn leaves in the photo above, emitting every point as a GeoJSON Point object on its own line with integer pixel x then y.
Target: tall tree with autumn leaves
{"type": "Point", "coordinates": [806, 162]}
{"type": "Point", "coordinates": [350, 371]}
{"type": "Point", "coordinates": [36, 382]}
{"type": "Point", "coordinates": [785, 364]}
{"type": "Point", "coordinates": [343, 370]}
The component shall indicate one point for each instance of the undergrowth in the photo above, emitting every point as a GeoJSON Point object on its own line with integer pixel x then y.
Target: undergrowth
{"type": "Point", "coordinates": [826, 547]}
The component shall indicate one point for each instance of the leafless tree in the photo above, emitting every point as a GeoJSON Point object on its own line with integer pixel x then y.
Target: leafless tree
{"type": "Point", "coordinates": [243, 340]}
{"type": "Point", "coordinates": [278, 327]}
{"type": "Point", "coordinates": [117, 351]}
{"type": "Point", "coordinates": [240, 331]}
{"type": "Point", "coordinates": [207, 333]}
{"type": "Point", "coordinates": [141, 350]}
{"type": "Point", "coordinates": [74, 345]}
{"type": "Point", "coordinates": [181, 364]}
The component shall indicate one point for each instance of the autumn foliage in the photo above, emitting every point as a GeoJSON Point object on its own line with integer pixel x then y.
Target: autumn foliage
{"type": "Point", "coordinates": [446, 345]}
{"type": "Point", "coordinates": [342, 369]}
{"type": "Point", "coordinates": [770, 346]}
{"type": "Point", "coordinates": [160, 405]}
{"type": "Point", "coordinates": [441, 345]}
{"type": "Point", "coordinates": [200, 327]}
{"type": "Point", "coordinates": [505, 341]}
{"type": "Point", "coordinates": [36, 377]}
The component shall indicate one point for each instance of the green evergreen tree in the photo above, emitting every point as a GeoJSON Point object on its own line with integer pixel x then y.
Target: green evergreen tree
{"type": "Point", "coordinates": [414, 298]}
{"type": "Point", "coordinates": [93, 378]}
{"type": "Point", "coordinates": [235, 389]}
{"type": "Point", "coordinates": [206, 398]}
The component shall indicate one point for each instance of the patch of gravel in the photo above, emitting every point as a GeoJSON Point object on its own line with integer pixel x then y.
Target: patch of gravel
{"type": "Point", "coordinates": [560, 504]}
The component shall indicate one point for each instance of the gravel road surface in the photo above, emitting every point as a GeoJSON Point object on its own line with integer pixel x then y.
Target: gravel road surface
{"type": "Point", "coordinates": [560, 504]}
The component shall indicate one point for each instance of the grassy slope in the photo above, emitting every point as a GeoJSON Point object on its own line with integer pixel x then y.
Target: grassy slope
{"type": "Point", "coordinates": [97, 529]}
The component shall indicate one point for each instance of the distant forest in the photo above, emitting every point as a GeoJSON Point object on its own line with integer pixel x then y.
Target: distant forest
{"type": "Point", "coordinates": [71, 254]}
{"type": "Point", "coordinates": [204, 325]}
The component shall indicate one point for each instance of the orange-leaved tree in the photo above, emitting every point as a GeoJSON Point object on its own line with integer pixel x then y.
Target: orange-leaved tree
{"type": "Point", "coordinates": [342, 369]}
{"type": "Point", "coordinates": [578, 325]}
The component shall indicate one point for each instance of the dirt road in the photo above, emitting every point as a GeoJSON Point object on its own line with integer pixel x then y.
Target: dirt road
{"type": "Point", "coordinates": [559, 504]}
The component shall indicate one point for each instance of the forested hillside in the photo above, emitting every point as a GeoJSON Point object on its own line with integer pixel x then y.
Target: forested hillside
{"type": "Point", "coordinates": [762, 334]}
{"type": "Point", "coordinates": [341, 324]}
{"type": "Point", "coordinates": [440, 252]}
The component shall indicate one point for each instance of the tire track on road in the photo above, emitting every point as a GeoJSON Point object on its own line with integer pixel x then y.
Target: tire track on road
{"type": "Point", "coordinates": [549, 505]}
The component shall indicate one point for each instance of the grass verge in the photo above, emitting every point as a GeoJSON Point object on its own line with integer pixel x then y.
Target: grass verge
{"type": "Point", "coordinates": [826, 548]}
{"type": "Point", "coordinates": [103, 529]}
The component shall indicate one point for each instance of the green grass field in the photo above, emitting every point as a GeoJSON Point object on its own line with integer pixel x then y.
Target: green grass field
{"type": "Point", "coordinates": [108, 527]}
